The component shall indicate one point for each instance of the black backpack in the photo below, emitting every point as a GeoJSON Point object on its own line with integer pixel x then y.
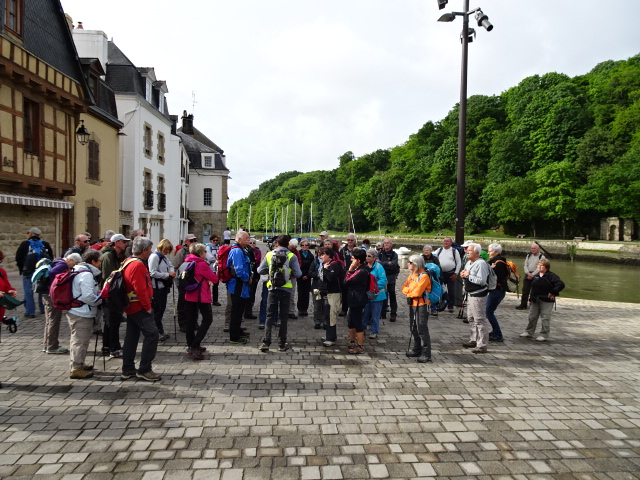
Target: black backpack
{"type": "Point", "coordinates": [114, 292]}
{"type": "Point", "coordinates": [187, 277]}
{"type": "Point", "coordinates": [277, 273]}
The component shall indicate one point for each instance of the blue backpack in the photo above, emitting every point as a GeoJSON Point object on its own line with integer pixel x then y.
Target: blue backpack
{"type": "Point", "coordinates": [435, 295]}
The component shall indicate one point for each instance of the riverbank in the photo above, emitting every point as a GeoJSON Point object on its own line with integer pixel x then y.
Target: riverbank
{"type": "Point", "coordinates": [623, 253]}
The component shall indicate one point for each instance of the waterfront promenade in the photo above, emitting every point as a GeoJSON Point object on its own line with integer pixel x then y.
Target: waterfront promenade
{"type": "Point", "coordinates": [567, 409]}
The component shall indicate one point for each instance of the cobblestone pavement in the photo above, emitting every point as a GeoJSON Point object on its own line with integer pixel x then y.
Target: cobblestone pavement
{"type": "Point", "coordinates": [567, 409]}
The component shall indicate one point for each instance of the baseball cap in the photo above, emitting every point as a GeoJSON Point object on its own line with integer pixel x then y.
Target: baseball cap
{"type": "Point", "coordinates": [190, 236]}
{"type": "Point", "coordinates": [35, 231]}
{"type": "Point", "coordinates": [117, 237]}
{"type": "Point", "coordinates": [467, 243]}
{"type": "Point", "coordinates": [324, 233]}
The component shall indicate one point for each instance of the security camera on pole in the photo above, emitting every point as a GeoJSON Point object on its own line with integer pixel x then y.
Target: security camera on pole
{"type": "Point", "coordinates": [467, 35]}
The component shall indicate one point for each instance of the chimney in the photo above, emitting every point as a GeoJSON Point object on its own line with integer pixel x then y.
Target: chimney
{"type": "Point", "coordinates": [187, 123]}
{"type": "Point", "coordinates": [80, 27]}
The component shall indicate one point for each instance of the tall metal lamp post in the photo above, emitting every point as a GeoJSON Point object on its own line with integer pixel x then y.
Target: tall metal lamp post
{"type": "Point", "coordinates": [467, 35]}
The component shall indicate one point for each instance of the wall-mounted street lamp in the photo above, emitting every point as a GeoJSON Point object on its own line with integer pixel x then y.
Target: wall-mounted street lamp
{"type": "Point", "coordinates": [467, 35]}
{"type": "Point", "coordinates": [82, 134]}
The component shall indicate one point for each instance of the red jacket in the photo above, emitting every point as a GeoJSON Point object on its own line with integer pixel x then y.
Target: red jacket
{"type": "Point", "coordinates": [138, 283]}
{"type": "Point", "coordinates": [204, 275]}
{"type": "Point", "coordinates": [5, 287]}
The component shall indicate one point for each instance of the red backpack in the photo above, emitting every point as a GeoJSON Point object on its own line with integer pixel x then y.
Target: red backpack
{"type": "Point", "coordinates": [224, 272]}
{"type": "Point", "coordinates": [373, 291]}
{"type": "Point", "coordinates": [61, 291]}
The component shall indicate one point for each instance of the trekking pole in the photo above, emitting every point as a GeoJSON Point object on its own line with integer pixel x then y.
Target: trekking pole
{"type": "Point", "coordinates": [411, 325]}
{"type": "Point", "coordinates": [462, 306]}
{"type": "Point", "coordinates": [175, 328]}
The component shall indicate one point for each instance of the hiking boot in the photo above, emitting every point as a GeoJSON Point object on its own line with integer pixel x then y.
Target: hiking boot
{"type": "Point", "coordinates": [357, 350]}
{"type": "Point", "coordinates": [163, 337]}
{"type": "Point", "coordinates": [149, 376]}
{"type": "Point", "coordinates": [127, 374]}
{"type": "Point", "coordinates": [495, 338]}
{"type": "Point", "coordinates": [393, 317]}
{"type": "Point", "coordinates": [469, 344]}
{"type": "Point", "coordinates": [465, 320]}
{"type": "Point", "coordinates": [412, 354]}
{"type": "Point", "coordinates": [479, 350]}
{"type": "Point", "coordinates": [81, 373]}
{"type": "Point", "coordinates": [423, 359]}
{"type": "Point", "coordinates": [195, 353]}
{"type": "Point", "coordinates": [116, 354]}
{"type": "Point", "coordinates": [240, 341]}
{"type": "Point", "coordinates": [283, 348]}
{"type": "Point", "coordinates": [264, 348]}
{"type": "Point", "coordinates": [58, 351]}
{"type": "Point", "coordinates": [88, 368]}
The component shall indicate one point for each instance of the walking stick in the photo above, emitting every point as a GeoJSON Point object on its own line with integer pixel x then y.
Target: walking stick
{"type": "Point", "coordinates": [175, 328]}
{"type": "Point", "coordinates": [462, 306]}
{"type": "Point", "coordinates": [412, 322]}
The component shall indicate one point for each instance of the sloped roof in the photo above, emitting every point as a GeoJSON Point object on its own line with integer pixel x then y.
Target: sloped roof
{"type": "Point", "coordinates": [46, 34]}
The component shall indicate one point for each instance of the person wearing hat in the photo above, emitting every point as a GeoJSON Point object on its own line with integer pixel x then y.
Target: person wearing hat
{"type": "Point", "coordinates": [28, 254]}
{"type": "Point", "coordinates": [450, 265]}
{"type": "Point", "coordinates": [178, 259]}
{"type": "Point", "coordinates": [113, 254]}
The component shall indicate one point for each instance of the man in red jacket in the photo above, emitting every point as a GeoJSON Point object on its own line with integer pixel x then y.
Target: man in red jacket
{"type": "Point", "coordinates": [139, 314]}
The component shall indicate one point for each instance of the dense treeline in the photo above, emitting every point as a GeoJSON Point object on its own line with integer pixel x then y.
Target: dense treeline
{"type": "Point", "coordinates": [550, 156]}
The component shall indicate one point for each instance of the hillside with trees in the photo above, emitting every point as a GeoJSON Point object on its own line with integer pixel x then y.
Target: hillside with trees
{"type": "Point", "coordinates": [550, 156]}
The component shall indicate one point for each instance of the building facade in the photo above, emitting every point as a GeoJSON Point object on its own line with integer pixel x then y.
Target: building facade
{"type": "Point", "coordinates": [149, 158]}
{"type": "Point", "coordinates": [208, 178]}
{"type": "Point", "coordinates": [42, 96]}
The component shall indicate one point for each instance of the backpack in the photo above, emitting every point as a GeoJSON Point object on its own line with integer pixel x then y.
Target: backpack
{"type": "Point", "coordinates": [373, 291]}
{"type": "Point", "coordinates": [61, 291]}
{"type": "Point", "coordinates": [35, 253]}
{"type": "Point", "coordinates": [114, 292]}
{"type": "Point", "coordinates": [513, 276]}
{"type": "Point", "coordinates": [225, 272]}
{"type": "Point", "coordinates": [278, 272]}
{"type": "Point", "coordinates": [98, 246]}
{"type": "Point", "coordinates": [436, 295]}
{"type": "Point", "coordinates": [187, 277]}
{"type": "Point", "coordinates": [492, 280]}
{"type": "Point", "coordinates": [40, 278]}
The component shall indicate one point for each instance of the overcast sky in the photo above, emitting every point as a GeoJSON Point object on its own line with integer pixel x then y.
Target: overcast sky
{"type": "Point", "coordinates": [286, 85]}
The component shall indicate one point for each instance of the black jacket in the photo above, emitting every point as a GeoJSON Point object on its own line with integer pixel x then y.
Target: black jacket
{"type": "Point", "coordinates": [501, 270]}
{"type": "Point", "coordinates": [357, 283]}
{"type": "Point", "coordinates": [542, 286]}
{"type": "Point", "coordinates": [23, 251]}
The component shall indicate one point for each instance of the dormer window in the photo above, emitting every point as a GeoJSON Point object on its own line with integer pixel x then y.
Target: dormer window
{"type": "Point", "coordinates": [208, 161]}
{"type": "Point", "coordinates": [13, 16]}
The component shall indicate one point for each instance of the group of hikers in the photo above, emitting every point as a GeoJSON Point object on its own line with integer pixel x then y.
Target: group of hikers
{"type": "Point", "coordinates": [88, 282]}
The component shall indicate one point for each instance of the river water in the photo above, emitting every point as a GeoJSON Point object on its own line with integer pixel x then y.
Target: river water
{"type": "Point", "coordinates": [594, 281]}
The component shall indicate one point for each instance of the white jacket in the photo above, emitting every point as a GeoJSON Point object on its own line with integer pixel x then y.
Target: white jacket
{"type": "Point", "coordinates": [85, 288]}
{"type": "Point", "coordinates": [159, 269]}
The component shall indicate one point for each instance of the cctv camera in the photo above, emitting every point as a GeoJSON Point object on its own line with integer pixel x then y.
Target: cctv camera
{"type": "Point", "coordinates": [483, 21]}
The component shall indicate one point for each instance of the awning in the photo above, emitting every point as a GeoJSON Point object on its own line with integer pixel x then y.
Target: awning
{"type": "Point", "coordinates": [30, 201]}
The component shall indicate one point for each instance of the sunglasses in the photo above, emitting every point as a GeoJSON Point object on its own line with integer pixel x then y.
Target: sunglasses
{"type": "Point", "coordinates": [305, 245]}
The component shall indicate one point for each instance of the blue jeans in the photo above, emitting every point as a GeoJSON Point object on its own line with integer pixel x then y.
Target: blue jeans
{"type": "Point", "coordinates": [263, 304]}
{"type": "Point", "coordinates": [140, 322]}
{"type": "Point", "coordinates": [29, 304]}
{"type": "Point", "coordinates": [371, 315]}
{"type": "Point", "coordinates": [493, 300]}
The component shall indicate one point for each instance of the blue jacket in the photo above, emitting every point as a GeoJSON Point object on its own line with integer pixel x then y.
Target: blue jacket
{"type": "Point", "coordinates": [378, 271]}
{"type": "Point", "coordinates": [239, 261]}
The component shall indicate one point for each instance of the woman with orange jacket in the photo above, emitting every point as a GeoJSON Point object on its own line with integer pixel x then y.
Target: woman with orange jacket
{"type": "Point", "coordinates": [416, 288]}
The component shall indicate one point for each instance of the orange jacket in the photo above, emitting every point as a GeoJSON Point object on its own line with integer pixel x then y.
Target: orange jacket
{"type": "Point", "coordinates": [416, 287]}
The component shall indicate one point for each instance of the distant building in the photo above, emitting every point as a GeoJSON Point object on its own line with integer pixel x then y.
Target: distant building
{"type": "Point", "coordinates": [42, 96]}
{"type": "Point", "coordinates": [208, 178]}
{"type": "Point", "coordinates": [150, 160]}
